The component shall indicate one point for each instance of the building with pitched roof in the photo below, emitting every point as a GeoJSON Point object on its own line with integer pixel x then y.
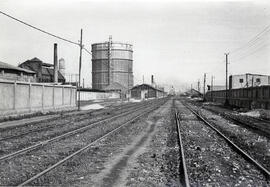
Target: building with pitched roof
{"type": "Point", "coordinates": [10, 72]}
{"type": "Point", "coordinates": [145, 91]}
{"type": "Point", "coordinates": [44, 71]}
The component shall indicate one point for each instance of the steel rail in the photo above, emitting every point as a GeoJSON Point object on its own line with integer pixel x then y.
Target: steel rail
{"type": "Point", "coordinates": [238, 149]}
{"type": "Point", "coordinates": [180, 142]}
{"type": "Point", "coordinates": [52, 126]}
{"type": "Point", "coordinates": [262, 128]}
{"type": "Point", "coordinates": [71, 113]}
{"type": "Point", "coordinates": [84, 148]}
{"type": "Point", "coordinates": [35, 146]}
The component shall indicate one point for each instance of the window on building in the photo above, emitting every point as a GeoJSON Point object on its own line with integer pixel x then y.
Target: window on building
{"type": "Point", "coordinates": [241, 80]}
{"type": "Point", "coordinates": [258, 80]}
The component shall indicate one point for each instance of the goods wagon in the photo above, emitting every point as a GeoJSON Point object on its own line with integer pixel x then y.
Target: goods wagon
{"type": "Point", "coordinates": [252, 97]}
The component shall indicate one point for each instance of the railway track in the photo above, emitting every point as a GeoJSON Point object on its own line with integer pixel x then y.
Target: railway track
{"type": "Point", "coordinates": [83, 115]}
{"type": "Point", "coordinates": [260, 167]}
{"type": "Point", "coordinates": [69, 133]}
{"type": "Point", "coordinates": [259, 125]}
{"type": "Point", "coordinates": [59, 162]}
{"type": "Point", "coordinates": [48, 126]}
{"type": "Point", "coordinates": [182, 168]}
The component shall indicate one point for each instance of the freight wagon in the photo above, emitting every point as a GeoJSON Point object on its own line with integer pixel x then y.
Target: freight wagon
{"type": "Point", "coordinates": [252, 97]}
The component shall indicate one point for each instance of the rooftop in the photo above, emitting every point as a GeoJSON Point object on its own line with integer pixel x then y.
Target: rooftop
{"type": "Point", "coordinates": [4, 65]}
{"type": "Point", "coordinates": [147, 85]}
{"type": "Point", "coordinates": [250, 74]}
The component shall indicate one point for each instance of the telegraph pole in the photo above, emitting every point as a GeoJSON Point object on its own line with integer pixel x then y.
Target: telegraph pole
{"type": "Point", "coordinates": [204, 80]}
{"type": "Point", "coordinates": [80, 66]}
{"type": "Point", "coordinates": [226, 99]}
{"type": "Point", "coordinates": [199, 85]}
{"type": "Point", "coordinates": [128, 86]}
{"type": "Point", "coordinates": [212, 80]}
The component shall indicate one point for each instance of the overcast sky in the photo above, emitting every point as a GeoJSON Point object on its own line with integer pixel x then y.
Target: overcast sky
{"type": "Point", "coordinates": [176, 41]}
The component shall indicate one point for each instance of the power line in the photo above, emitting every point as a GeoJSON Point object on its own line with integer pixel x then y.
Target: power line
{"type": "Point", "coordinates": [253, 46]}
{"type": "Point", "coordinates": [41, 30]}
{"type": "Point", "coordinates": [253, 52]}
{"type": "Point", "coordinates": [253, 40]}
{"type": "Point", "coordinates": [87, 51]}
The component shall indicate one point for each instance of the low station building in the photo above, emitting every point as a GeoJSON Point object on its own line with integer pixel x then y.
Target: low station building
{"type": "Point", "coordinates": [145, 91]}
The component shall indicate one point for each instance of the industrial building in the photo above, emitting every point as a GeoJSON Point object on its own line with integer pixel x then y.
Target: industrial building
{"type": "Point", "coordinates": [44, 71]}
{"type": "Point", "coordinates": [112, 66]}
{"type": "Point", "coordinates": [145, 91]}
{"type": "Point", "coordinates": [9, 72]}
{"type": "Point", "coordinates": [248, 80]}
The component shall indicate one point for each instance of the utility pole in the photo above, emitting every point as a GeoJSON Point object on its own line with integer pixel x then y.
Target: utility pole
{"type": "Point", "coordinates": [128, 86]}
{"type": "Point", "coordinates": [199, 85]}
{"type": "Point", "coordinates": [212, 80]}
{"type": "Point", "coordinates": [55, 63]}
{"type": "Point", "coordinates": [226, 99]}
{"type": "Point", "coordinates": [80, 67]}
{"type": "Point", "coordinates": [204, 80]}
{"type": "Point", "coordinates": [83, 83]}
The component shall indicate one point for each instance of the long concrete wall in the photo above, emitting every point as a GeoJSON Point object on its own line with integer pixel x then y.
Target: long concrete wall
{"type": "Point", "coordinates": [88, 96]}
{"type": "Point", "coordinates": [25, 97]}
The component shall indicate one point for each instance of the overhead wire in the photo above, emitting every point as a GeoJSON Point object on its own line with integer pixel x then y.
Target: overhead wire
{"type": "Point", "coordinates": [252, 52]}
{"type": "Point", "coordinates": [43, 31]}
{"type": "Point", "coordinates": [252, 47]}
{"type": "Point", "coordinates": [87, 51]}
{"type": "Point", "coordinates": [253, 41]}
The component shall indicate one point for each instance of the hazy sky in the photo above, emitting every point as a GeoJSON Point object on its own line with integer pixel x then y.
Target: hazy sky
{"type": "Point", "coordinates": [176, 41]}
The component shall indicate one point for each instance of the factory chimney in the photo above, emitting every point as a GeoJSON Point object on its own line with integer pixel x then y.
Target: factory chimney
{"type": "Point", "coordinates": [152, 79]}
{"type": "Point", "coordinates": [55, 62]}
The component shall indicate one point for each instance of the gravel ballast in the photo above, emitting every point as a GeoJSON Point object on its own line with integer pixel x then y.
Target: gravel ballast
{"type": "Point", "coordinates": [143, 153]}
{"type": "Point", "coordinates": [209, 159]}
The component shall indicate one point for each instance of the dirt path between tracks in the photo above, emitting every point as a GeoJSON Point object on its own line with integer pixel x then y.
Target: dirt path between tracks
{"type": "Point", "coordinates": [142, 153]}
{"type": "Point", "coordinates": [115, 174]}
{"type": "Point", "coordinates": [142, 163]}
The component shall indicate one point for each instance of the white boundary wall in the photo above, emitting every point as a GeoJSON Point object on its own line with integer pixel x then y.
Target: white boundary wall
{"type": "Point", "coordinates": [88, 96]}
{"type": "Point", "coordinates": [25, 97]}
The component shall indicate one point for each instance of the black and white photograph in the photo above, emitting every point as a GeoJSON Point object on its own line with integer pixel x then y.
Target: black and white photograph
{"type": "Point", "coordinates": [135, 93]}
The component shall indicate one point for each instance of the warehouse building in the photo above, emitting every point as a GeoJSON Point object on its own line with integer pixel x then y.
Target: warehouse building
{"type": "Point", "coordinates": [145, 91]}
{"type": "Point", "coordinates": [44, 71]}
{"type": "Point", "coordinates": [248, 80]}
{"type": "Point", "coordinates": [9, 72]}
{"type": "Point", "coordinates": [112, 66]}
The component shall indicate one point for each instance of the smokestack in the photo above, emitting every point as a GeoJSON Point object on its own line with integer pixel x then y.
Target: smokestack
{"type": "Point", "coordinates": [55, 62]}
{"type": "Point", "coordinates": [152, 79]}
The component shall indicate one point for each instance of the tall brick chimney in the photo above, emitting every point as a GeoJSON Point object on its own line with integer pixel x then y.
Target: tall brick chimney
{"type": "Point", "coordinates": [152, 79]}
{"type": "Point", "coordinates": [55, 62]}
